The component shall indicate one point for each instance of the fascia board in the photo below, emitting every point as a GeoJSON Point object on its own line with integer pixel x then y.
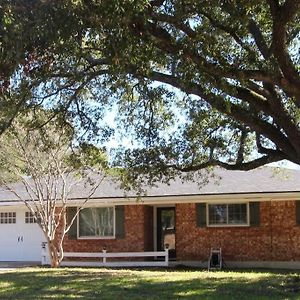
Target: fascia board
{"type": "Point", "coordinates": [156, 200]}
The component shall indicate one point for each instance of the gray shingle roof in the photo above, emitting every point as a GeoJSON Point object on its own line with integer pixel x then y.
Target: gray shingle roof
{"type": "Point", "coordinates": [261, 180]}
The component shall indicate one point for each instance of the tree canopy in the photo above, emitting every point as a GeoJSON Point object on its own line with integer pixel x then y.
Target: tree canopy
{"type": "Point", "coordinates": [197, 83]}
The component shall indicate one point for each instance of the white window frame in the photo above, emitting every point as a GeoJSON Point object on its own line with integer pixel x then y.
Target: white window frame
{"type": "Point", "coordinates": [247, 224]}
{"type": "Point", "coordinates": [98, 237]}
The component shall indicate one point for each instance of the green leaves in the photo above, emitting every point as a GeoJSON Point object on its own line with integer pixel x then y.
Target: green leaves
{"type": "Point", "coordinates": [38, 145]}
{"type": "Point", "coordinates": [194, 83]}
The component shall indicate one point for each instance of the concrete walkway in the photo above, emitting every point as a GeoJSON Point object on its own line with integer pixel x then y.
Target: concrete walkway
{"type": "Point", "coordinates": [11, 265]}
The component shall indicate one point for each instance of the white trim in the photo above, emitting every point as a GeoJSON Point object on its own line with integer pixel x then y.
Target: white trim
{"type": "Point", "coordinates": [228, 225]}
{"type": "Point", "coordinates": [115, 254]}
{"type": "Point", "coordinates": [155, 207]}
{"type": "Point", "coordinates": [165, 200]}
{"type": "Point", "coordinates": [124, 264]}
{"type": "Point", "coordinates": [247, 224]}
{"type": "Point", "coordinates": [110, 237]}
{"type": "Point", "coordinates": [155, 228]}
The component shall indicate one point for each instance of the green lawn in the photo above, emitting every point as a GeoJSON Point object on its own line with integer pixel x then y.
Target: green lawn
{"type": "Point", "coordinates": [81, 283]}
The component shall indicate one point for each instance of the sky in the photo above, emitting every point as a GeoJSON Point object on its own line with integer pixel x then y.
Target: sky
{"type": "Point", "coordinates": [286, 164]}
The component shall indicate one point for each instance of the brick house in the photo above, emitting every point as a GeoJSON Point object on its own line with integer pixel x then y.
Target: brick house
{"type": "Point", "coordinates": [254, 217]}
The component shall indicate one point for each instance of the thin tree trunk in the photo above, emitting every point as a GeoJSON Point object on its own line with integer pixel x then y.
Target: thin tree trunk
{"type": "Point", "coordinates": [54, 254]}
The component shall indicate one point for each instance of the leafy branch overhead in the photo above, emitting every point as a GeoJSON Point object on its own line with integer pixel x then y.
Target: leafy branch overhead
{"type": "Point", "coordinates": [197, 83]}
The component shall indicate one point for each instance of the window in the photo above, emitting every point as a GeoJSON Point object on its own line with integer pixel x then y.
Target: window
{"type": "Point", "coordinates": [29, 218]}
{"type": "Point", "coordinates": [228, 214]}
{"type": "Point", "coordinates": [7, 217]}
{"type": "Point", "coordinates": [96, 222]}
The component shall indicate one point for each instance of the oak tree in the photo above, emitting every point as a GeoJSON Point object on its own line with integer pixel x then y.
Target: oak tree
{"type": "Point", "coordinates": [197, 83]}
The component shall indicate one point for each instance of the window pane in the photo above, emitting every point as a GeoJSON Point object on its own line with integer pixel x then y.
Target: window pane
{"type": "Point", "coordinates": [96, 222]}
{"type": "Point", "coordinates": [8, 218]}
{"type": "Point", "coordinates": [217, 214]}
{"type": "Point", "coordinates": [237, 213]}
{"type": "Point", "coordinates": [168, 219]}
{"type": "Point", "coordinates": [29, 218]}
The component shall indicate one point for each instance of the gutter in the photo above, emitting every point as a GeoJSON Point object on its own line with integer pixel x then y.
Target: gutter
{"type": "Point", "coordinates": [176, 199]}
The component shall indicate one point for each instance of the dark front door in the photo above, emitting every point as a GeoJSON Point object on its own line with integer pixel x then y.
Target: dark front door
{"type": "Point", "coordinates": [166, 230]}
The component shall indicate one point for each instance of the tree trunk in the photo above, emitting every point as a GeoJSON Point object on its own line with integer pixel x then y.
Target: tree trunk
{"type": "Point", "coordinates": [55, 253]}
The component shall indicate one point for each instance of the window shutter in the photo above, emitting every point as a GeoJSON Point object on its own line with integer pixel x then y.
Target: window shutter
{"type": "Point", "coordinates": [254, 214]}
{"type": "Point", "coordinates": [72, 234]}
{"type": "Point", "coordinates": [298, 212]}
{"type": "Point", "coordinates": [120, 221]}
{"type": "Point", "coordinates": [201, 214]}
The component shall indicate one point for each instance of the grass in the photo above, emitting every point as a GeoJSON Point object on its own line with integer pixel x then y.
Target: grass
{"type": "Point", "coordinates": [81, 283]}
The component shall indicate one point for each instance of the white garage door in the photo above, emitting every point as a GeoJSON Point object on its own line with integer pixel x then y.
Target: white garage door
{"type": "Point", "coordinates": [20, 238]}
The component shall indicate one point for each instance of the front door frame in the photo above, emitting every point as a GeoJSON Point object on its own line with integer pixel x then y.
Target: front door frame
{"type": "Point", "coordinates": [155, 222]}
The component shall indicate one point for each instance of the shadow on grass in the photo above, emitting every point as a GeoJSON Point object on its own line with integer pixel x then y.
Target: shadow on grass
{"type": "Point", "coordinates": [134, 284]}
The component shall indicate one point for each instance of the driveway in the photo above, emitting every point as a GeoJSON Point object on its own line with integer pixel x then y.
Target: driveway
{"type": "Point", "coordinates": [11, 265]}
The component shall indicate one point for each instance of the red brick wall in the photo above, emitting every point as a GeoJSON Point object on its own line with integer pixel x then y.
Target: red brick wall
{"type": "Point", "coordinates": [137, 238]}
{"type": "Point", "coordinates": [277, 237]}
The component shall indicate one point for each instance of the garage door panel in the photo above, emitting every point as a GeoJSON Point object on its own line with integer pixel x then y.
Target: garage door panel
{"type": "Point", "coordinates": [32, 242]}
{"type": "Point", "coordinates": [20, 241]}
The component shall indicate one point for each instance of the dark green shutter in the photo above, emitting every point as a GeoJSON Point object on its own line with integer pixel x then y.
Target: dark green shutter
{"type": "Point", "coordinates": [298, 212]}
{"type": "Point", "coordinates": [254, 214]}
{"type": "Point", "coordinates": [72, 234]}
{"type": "Point", "coordinates": [120, 221]}
{"type": "Point", "coordinates": [201, 214]}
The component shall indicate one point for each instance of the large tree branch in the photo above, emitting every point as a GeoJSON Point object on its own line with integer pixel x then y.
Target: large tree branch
{"type": "Point", "coordinates": [281, 15]}
{"type": "Point", "coordinates": [241, 151]}
{"type": "Point", "coordinates": [177, 23]}
{"type": "Point", "coordinates": [273, 107]}
{"type": "Point", "coordinates": [165, 42]}
{"type": "Point", "coordinates": [231, 31]}
{"type": "Point", "coordinates": [259, 39]}
{"type": "Point", "coordinates": [237, 112]}
{"type": "Point", "coordinates": [282, 118]}
{"type": "Point", "coordinates": [244, 166]}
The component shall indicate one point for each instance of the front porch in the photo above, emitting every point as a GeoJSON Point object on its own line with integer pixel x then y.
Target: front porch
{"type": "Point", "coordinates": [144, 235]}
